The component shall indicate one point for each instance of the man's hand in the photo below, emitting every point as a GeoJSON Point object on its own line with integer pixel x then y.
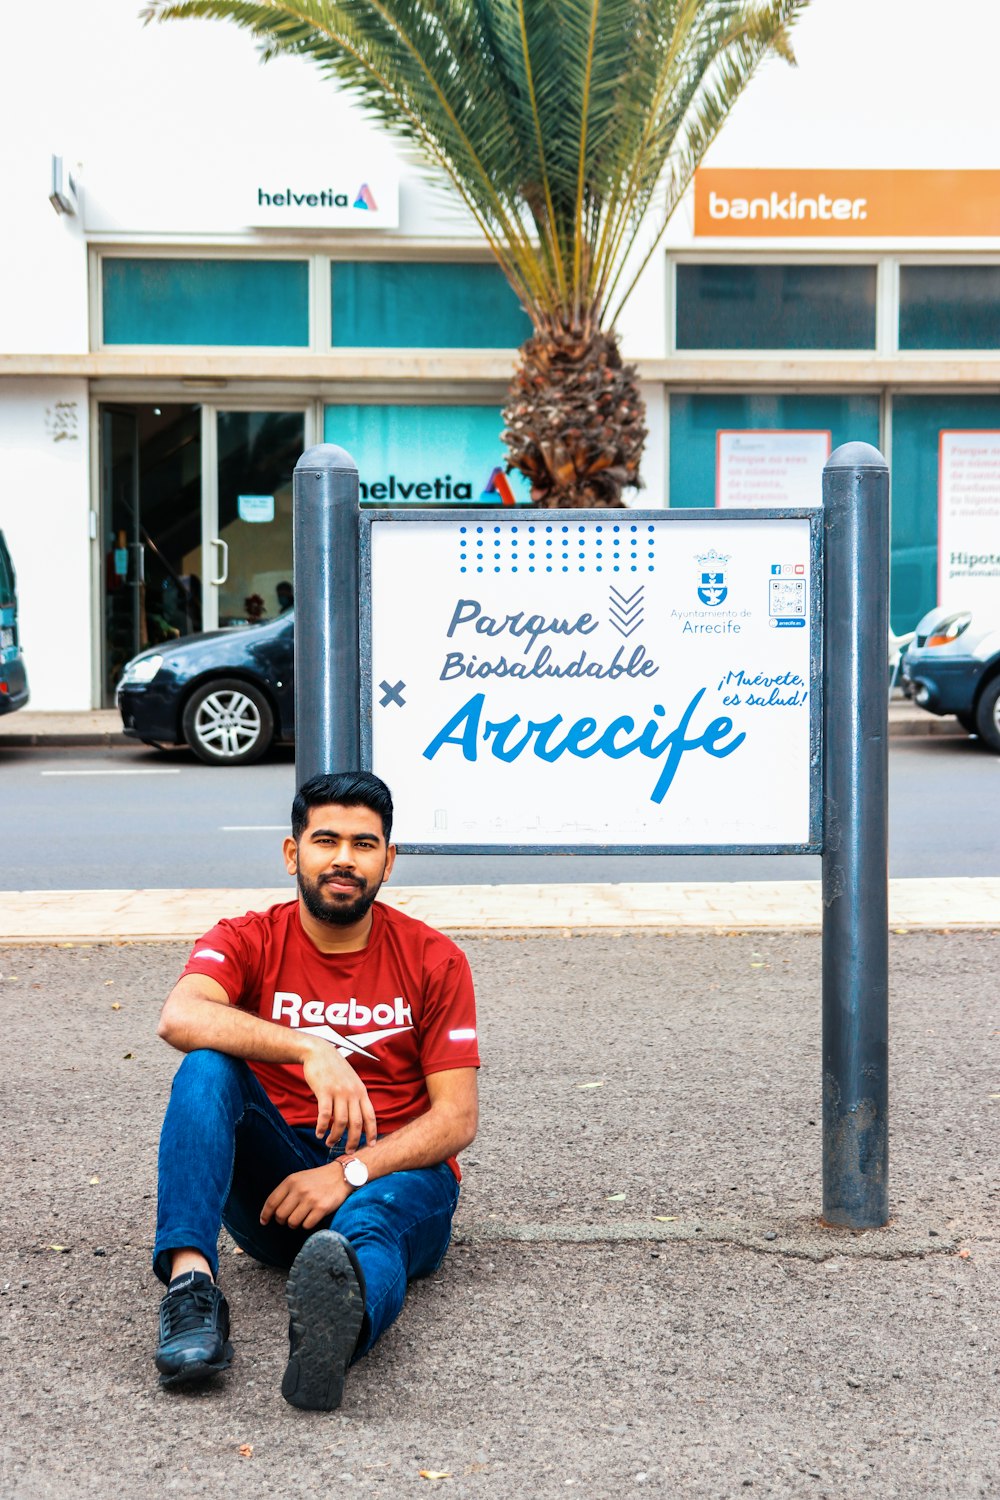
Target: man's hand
{"type": "Point", "coordinates": [341, 1096]}
{"type": "Point", "coordinates": [304, 1199]}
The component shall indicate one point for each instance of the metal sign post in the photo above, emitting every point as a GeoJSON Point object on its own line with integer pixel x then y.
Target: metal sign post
{"type": "Point", "coordinates": [327, 681]}
{"type": "Point", "coordinates": [855, 838]}
{"type": "Point", "coordinates": [626, 681]}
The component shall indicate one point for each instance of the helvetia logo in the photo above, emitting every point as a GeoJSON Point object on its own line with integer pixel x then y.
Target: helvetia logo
{"type": "Point", "coordinates": [441, 487]}
{"type": "Point", "coordinates": [364, 199]}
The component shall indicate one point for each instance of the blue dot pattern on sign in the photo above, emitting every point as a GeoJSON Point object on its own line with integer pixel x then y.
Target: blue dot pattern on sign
{"type": "Point", "coordinates": [622, 547]}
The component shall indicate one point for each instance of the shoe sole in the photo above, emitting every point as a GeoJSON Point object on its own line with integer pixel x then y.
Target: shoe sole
{"type": "Point", "coordinates": [194, 1374]}
{"type": "Point", "coordinates": [326, 1308]}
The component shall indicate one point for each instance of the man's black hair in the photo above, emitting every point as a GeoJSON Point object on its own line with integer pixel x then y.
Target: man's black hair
{"type": "Point", "coordinates": [347, 789]}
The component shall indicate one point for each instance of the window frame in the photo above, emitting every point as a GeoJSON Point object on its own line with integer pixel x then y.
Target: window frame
{"type": "Point", "coordinates": [867, 258]}
{"type": "Point", "coordinates": [320, 263]}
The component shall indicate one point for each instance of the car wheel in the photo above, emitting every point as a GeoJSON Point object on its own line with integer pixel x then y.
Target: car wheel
{"type": "Point", "coordinates": [968, 722]}
{"type": "Point", "coordinates": [988, 715]}
{"type": "Point", "coordinates": [228, 723]}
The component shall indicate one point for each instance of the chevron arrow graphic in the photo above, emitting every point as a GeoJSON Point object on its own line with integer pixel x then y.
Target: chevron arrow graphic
{"type": "Point", "coordinates": [625, 612]}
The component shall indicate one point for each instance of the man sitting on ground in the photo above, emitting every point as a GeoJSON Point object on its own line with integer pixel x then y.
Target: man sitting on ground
{"type": "Point", "coordinates": [329, 1084]}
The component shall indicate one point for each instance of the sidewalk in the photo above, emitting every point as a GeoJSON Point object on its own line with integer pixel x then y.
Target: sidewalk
{"type": "Point", "coordinates": [102, 726]}
{"type": "Point", "coordinates": [151, 916]}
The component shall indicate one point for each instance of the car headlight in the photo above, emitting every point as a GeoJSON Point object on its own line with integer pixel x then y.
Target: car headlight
{"type": "Point", "coordinates": [142, 670]}
{"type": "Point", "coordinates": [949, 629]}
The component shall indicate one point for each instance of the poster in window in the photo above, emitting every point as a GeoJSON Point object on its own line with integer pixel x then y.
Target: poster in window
{"type": "Point", "coordinates": [759, 468]}
{"type": "Point", "coordinates": [969, 520]}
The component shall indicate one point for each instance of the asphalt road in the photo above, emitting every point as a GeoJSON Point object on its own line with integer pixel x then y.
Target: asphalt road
{"type": "Point", "coordinates": [135, 818]}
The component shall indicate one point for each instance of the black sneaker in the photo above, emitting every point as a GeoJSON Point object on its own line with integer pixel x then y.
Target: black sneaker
{"type": "Point", "coordinates": [194, 1331]}
{"type": "Point", "coordinates": [326, 1301]}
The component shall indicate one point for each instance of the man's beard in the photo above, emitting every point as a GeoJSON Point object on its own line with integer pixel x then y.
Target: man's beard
{"type": "Point", "coordinates": [340, 912]}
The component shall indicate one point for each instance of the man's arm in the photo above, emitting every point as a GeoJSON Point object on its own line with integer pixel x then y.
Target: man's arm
{"type": "Point", "coordinates": [447, 1127]}
{"type": "Point", "coordinates": [197, 1013]}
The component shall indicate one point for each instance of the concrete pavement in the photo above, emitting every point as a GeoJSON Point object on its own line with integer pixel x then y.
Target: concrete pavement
{"type": "Point", "coordinates": [640, 1299]}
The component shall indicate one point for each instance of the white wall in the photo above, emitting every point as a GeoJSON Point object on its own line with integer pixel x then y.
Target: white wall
{"type": "Point", "coordinates": [43, 255]}
{"type": "Point", "coordinates": [44, 514]}
{"type": "Point", "coordinates": [162, 118]}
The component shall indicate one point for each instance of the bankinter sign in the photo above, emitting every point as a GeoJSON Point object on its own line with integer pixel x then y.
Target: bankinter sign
{"type": "Point", "coordinates": [741, 203]}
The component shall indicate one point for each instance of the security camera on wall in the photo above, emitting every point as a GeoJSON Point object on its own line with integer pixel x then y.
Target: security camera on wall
{"type": "Point", "coordinates": [63, 197]}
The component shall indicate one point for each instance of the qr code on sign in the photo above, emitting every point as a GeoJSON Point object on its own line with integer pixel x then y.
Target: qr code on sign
{"type": "Point", "coordinates": [788, 596]}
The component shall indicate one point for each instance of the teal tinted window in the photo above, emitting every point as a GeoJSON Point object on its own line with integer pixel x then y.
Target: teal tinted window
{"type": "Point", "coordinates": [423, 455]}
{"type": "Point", "coordinates": [949, 307]}
{"type": "Point", "coordinates": [418, 305]}
{"type": "Point", "coordinates": [775, 307]}
{"type": "Point", "coordinates": [917, 423]}
{"type": "Point", "coordinates": [248, 302]}
{"type": "Point", "coordinates": [695, 422]}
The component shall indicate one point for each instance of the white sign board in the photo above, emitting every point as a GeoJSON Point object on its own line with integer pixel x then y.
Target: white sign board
{"type": "Point", "coordinates": [321, 189]}
{"type": "Point", "coordinates": [766, 468]}
{"type": "Point", "coordinates": [626, 679]}
{"type": "Point", "coordinates": [969, 521]}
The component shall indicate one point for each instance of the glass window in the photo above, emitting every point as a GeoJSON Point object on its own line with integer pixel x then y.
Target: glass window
{"type": "Point", "coordinates": [238, 302]}
{"type": "Point", "coordinates": [949, 307]}
{"type": "Point", "coordinates": [424, 305]}
{"type": "Point", "coordinates": [257, 454]}
{"type": "Point", "coordinates": [695, 422]}
{"type": "Point", "coordinates": [775, 307]}
{"type": "Point", "coordinates": [423, 455]}
{"type": "Point", "coordinates": [917, 423]}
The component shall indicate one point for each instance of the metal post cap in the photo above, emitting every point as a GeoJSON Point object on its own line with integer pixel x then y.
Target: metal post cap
{"type": "Point", "coordinates": [326, 456]}
{"type": "Point", "coordinates": [855, 456]}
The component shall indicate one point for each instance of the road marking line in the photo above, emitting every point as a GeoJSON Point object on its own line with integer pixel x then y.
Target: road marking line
{"type": "Point", "coordinates": [253, 827]}
{"type": "Point", "coordinates": [151, 771]}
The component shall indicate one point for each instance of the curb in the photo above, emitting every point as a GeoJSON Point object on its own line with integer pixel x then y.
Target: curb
{"type": "Point", "coordinates": [505, 911]}
{"type": "Point", "coordinates": [71, 738]}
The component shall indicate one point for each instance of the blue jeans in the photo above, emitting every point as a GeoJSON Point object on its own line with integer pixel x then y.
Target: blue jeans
{"type": "Point", "coordinates": [223, 1150]}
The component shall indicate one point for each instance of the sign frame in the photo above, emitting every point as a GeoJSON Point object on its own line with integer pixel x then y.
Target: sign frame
{"type": "Point", "coordinates": [680, 517]}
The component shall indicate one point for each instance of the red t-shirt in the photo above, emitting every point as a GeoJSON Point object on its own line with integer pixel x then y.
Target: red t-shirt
{"type": "Point", "coordinates": [399, 1009]}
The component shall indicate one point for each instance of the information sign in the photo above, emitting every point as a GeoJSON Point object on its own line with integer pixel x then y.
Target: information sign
{"type": "Point", "coordinates": [257, 509]}
{"type": "Point", "coordinates": [764, 467]}
{"type": "Point", "coordinates": [969, 521]}
{"type": "Point", "coordinates": [598, 680]}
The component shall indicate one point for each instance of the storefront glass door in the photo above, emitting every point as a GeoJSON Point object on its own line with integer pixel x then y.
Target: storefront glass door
{"type": "Point", "coordinates": [196, 522]}
{"type": "Point", "coordinates": [256, 454]}
{"type": "Point", "coordinates": [151, 529]}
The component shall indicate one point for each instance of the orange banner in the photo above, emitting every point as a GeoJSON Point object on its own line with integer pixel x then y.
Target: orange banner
{"type": "Point", "coordinates": [739, 203]}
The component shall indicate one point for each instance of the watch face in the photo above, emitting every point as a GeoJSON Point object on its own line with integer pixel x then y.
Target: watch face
{"type": "Point", "coordinates": [356, 1173]}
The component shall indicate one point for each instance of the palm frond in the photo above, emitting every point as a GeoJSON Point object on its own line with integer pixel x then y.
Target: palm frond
{"type": "Point", "coordinates": [558, 122]}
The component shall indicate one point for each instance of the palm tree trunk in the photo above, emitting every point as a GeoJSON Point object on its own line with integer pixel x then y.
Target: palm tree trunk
{"type": "Point", "coordinates": [574, 419]}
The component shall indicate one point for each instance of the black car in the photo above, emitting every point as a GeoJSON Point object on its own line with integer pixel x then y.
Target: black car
{"type": "Point", "coordinates": [13, 673]}
{"type": "Point", "coordinates": [227, 694]}
{"type": "Point", "coordinates": [953, 667]}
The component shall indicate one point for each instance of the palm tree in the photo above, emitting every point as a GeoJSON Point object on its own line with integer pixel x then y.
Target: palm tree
{"type": "Point", "coordinates": [569, 128]}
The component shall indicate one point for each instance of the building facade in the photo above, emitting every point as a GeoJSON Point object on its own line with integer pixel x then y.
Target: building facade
{"type": "Point", "coordinates": [231, 264]}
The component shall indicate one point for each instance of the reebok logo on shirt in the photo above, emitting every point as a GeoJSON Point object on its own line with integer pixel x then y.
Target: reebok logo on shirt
{"type": "Point", "coordinates": [321, 1018]}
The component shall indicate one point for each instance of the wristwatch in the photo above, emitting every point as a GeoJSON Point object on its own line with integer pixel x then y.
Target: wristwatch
{"type": "Point", "coordinates": [355, 1171]}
